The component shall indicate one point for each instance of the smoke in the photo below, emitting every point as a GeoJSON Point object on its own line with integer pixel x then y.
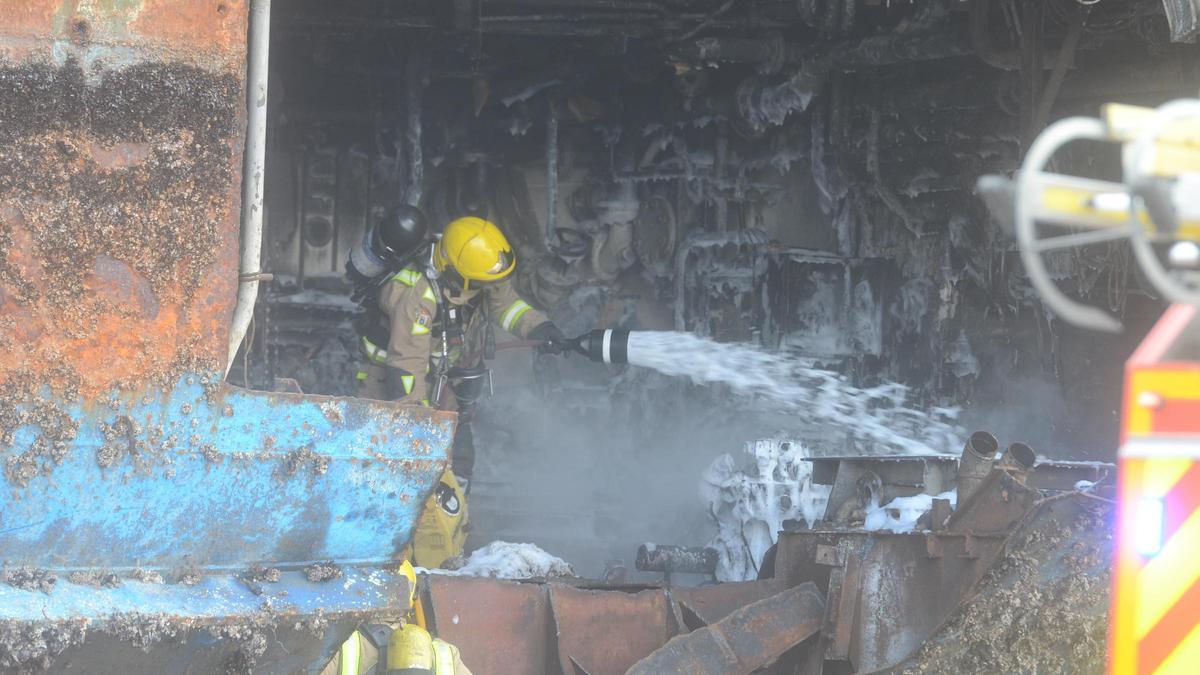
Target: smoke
{"type": "Point", "coordinates": [1037, 411]}
{"type": "Point", "coordinates": [588, 461]}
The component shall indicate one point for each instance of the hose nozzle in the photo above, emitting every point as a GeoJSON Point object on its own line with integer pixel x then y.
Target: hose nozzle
{"type": "Point", "coordinates": [603, 345]}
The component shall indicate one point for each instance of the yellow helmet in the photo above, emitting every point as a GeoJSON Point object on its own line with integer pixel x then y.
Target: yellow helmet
{"type": "Point", "coordinates": [406, 569]}
{"type": "Point", "coordinates": [410, 650]}
{"type": "Point", "coordinates": [476, 249]}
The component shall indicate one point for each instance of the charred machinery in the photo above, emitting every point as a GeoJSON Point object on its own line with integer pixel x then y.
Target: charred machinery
{"type": "Point", "coordinates": [195, 193]}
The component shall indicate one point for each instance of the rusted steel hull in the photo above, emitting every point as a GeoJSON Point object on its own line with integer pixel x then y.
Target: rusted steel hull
{"type": "Point", "coordinates": [121, 129]}
{"type": "Point", "coordinates": [123, 453]}
{"type": "Point", "coordinates": [221, 478]}
{"type": "Point", "coordinates": [514, 627]}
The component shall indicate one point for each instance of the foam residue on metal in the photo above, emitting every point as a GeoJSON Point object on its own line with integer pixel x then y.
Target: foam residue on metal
{"type": "Point", "coordinates": [506, 560]}
{"type": "Point", "coordinates": [902, 513]}
{"type": "Point", "coordinates": [750, 503]}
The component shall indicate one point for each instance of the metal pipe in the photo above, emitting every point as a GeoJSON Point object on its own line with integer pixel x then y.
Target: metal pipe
{"type": "Point", "coordinates": [1018, 461]}
{"type": "Point", "coordinates": [414, 88]}
{"type": "Point", "coordinates": [551, 173]}
{"type": "Point", "coordinates": [722, 205]}
{"type": "Point", "coordinates": [253, 171]}
{"type": "Point", "coordinates": [978, 455]}
{"type": "Point", "coordinates": [1019, 455]}
{"type": "Point", "coordinates": [676, 559]}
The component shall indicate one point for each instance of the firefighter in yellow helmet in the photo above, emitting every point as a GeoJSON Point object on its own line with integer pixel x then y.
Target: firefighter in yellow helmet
{"type": "Point", "coordinates": [410, 649]}
{"type": "Point", "coordinates": [429, 345]}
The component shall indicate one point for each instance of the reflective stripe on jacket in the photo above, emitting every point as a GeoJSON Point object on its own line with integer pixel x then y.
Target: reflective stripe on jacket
{"type": "Point", "coordinates": [411, 308]}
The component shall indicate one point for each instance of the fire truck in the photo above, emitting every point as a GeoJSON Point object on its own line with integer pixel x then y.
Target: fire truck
{"type": "Point", "coordinates": [1155, 615]}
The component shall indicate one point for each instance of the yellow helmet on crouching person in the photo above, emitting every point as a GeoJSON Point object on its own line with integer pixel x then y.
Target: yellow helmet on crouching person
{"type": "Point", "coordinates": [475, 250]}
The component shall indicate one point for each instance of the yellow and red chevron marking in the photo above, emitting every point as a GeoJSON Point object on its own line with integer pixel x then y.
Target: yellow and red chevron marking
{"type": "Point", "coordinates": [1162, 385]}
{"type": "Point", "coordinates": [1155, 613]}
{"type": "Point", "coordinates": [1156, 598]}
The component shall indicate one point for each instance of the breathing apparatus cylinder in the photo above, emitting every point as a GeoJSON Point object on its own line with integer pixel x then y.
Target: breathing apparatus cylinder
{"type": "Point", "coordinates": [604, 345]}
{"type": "Point", "coordinates": [389, 244]}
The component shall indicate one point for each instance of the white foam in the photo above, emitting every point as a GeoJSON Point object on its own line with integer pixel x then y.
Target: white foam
{"type": "Point", "coordinates": [751, 504]}
{"type": "Point", "coordinates": [902, 513]}
{"type": "Point", "coordinates": [505, 560]}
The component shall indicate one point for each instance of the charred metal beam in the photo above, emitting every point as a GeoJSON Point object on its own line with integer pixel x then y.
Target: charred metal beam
{"type": "Point", "coordinates": [565, 17]}
{"type": "Point", "coordinates": [760, 105]}
{"type": "Point", "coordinates": [418, 63]}
{"type": "Point", "coordinates": [750, 638]}
{"type": "Point", "coordinates": [770, 53]}
{"type": "Point", "coordinates": [670, 559]}
{"type": "Point", "coordinates": [551, 171]}
{"type": "Point", "coordinates": [885, 50]}
{"type": "Point", "coordinates": [569, 28]}
{"type": "Point", "coordinates": [591, 5]}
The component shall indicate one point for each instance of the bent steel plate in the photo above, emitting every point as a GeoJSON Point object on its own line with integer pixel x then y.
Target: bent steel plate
{"type": "Point", "coordinates": [749, 638]}
{"type": "Point", "coordinates": [223, 479]}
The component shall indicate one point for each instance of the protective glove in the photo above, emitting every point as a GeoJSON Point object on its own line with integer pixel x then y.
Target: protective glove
{"type": "Point", "coordinates": [554, 339]}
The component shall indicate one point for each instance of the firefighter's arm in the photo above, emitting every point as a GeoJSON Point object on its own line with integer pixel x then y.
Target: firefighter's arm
{"type": "Point", "coordinates": [511, 312]}
{"type": "Point", "coordinates": [411, 313]}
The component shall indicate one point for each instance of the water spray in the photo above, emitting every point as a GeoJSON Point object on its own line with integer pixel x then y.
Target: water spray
{"type": "Point", "coordinates": [881, 414]}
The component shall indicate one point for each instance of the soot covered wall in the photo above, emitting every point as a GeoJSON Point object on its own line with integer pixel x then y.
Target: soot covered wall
{"type": "Point", "coordinates": [798, 174]}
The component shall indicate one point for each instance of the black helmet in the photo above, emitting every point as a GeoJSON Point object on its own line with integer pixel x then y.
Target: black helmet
{"type": "Point", "coordinates": [400, 232]}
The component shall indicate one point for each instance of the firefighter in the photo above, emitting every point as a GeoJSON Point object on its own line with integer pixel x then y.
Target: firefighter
{"type": "Point", "coordinates": [404, 648]}
{"type": "Point", "coordinates": [428, 347]}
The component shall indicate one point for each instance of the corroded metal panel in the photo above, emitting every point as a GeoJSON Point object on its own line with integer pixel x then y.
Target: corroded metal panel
{"type": "Point", "coordinates": [121, 136]}
{"type": "Point", "coordinates": [121, 128]}
{"type": "Point", "coordinates": [499, 626]}
{"type": "Point", "coordinates": [900, 587]}
{"type": "Point", "coordinates": [607, 632]}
